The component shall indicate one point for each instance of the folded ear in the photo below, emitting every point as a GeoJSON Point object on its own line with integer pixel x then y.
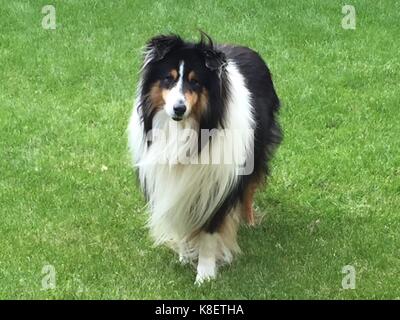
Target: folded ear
{"type": "Point", "coordinates": [159, 46]}
{"type": "Point", "coordinates": [214, 58]}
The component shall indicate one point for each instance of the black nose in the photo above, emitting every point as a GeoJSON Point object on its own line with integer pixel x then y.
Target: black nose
{"type": "Point", "coordinates": [179, 109]}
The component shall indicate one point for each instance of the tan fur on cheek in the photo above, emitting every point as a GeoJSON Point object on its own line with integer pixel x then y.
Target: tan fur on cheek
{"type": "Point", "coordinates": [191, 99]}
{"type": "Point", "coordinates": [157, 95]}
{"type": "Point", "coordinates": [164, 94]}
{"type": "Point", "coordinates": [200, 103]}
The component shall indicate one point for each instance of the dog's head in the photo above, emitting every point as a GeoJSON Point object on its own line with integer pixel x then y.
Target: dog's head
{"type": "Point", "coordinates": [183, 79]}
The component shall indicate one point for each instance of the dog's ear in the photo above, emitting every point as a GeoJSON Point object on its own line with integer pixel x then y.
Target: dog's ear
{"type": "Point", "coordinates": [214, 58]}
{"type": "Point", "coordinates": [158, 47]}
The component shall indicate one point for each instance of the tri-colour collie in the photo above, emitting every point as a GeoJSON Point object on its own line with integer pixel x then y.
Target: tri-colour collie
{"type": "Point", "coordinates": [202, 131]}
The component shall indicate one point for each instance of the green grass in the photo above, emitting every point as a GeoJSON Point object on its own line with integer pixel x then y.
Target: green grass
{"type": "Point", "coordinates": [334, 195]}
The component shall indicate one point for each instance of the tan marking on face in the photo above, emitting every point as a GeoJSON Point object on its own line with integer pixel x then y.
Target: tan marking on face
{"type": "Point", "coordinates": [198, 102]}
{"type": "Point", "coordinates": [157, 95]}
{"type": "Point", "coordinates": [191, 99]}
{"type": "Point", "coordinates": [192, 76]}
{"type": "Point", "coordinates": [164, 94]}
{"type": "Point", "coordinates": [174, 74]}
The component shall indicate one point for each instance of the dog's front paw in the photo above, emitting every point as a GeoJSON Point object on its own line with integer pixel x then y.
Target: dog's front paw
{"type": "Point", "coordinates": [184, 259]}
{"type": "Point", "coordinates": [205, 273]}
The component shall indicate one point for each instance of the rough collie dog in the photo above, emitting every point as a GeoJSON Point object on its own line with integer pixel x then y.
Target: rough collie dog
{"type": "Point", "coordinates": [202, 131]}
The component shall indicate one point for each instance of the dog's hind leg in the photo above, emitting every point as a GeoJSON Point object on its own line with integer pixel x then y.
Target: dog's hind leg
{"type": "Point", "coordinates": [248, 200]}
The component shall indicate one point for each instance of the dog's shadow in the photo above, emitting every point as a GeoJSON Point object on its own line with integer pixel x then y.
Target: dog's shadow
{"type": "Point", "coordinates": [288, 240]}
{"type": "Point", "coordinates": [276, 228]}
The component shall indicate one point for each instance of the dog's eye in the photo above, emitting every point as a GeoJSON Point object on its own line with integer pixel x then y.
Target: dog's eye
{"type": "Point", "coordinates": [168, 79]}
{"type": "Point", "coordinates": [194, 83]}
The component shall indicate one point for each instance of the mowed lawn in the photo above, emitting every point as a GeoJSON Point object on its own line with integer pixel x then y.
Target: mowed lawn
{"type": "Point", "coordinates": [68, 196]}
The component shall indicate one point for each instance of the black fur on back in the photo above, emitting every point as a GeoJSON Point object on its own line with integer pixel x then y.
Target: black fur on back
{"type": "Point", "coordinates": [267, 134]}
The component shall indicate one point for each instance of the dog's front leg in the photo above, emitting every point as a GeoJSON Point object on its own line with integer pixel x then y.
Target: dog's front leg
{"type": "Point", "coordinates": [207, 267]}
